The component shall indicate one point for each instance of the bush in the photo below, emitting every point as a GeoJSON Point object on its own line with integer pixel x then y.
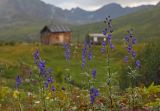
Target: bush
{"type": "Point", "coordinates": [150, 57]}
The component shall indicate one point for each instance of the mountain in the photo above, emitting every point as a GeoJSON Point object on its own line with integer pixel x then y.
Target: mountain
{"type": "Point", "coordinates": [21, 20]}
{"type": "Point", "coordinates": [22, 11]}
{"type": "Point", "coordinates": [114, 10]}
{"type": "Point", "coordinates": [145, 23]}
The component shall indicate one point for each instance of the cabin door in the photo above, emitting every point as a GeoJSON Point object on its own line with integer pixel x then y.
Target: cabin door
{"type": "Point", "coordinates": [61, 38]}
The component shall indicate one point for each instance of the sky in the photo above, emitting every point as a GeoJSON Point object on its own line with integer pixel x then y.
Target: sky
{"type": "Point", "coordinates": [96, 4]}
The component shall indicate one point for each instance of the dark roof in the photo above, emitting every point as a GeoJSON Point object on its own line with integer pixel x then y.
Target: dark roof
{"type": "Point", "coordinates": [58, 28]}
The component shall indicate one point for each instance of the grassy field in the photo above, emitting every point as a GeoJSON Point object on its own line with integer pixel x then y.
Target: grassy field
{"type": "Point", "coordinates": [13, 57]}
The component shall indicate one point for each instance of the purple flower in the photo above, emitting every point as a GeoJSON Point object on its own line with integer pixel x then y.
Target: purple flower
{"type": "Point", "coordinates": [46, 84]}
{"type": "Point", "coordinates": [133, 54]}
{"type": "Point", "coordinates": [94, 73]}
{"type": "Point", "coordinates": [134, 40]}
{"type": "Point", "coordinates": [63, 88]}
{"type": "Point", "coordinates": [126, 59]}
{"type": "Point", "coordinates": [138, 64]}
{"type": "Point", "coordinates": [103, 46]}
{"type": "Point", "coordinates": [42, 67]}
{"type": "Point", "coordinates": [67, 52]}
{"type": "Point", "coordinates": [109, 37]}
{"type": "Point", "coordinates": [36, 56]}
{"type": "Point", "coordinates": [50, 80]}
{"type": "Point", "coordinates": [111, 46]}
{"type": "Point", "coordinates": [53, 88]}
{"type": "Point", "coordinates": [18, 81]}
{"type": "Point", "coordinates": [129, 48]}
{"type": "Point", "coordinates": [93, 93]}
{"type": "Point", "coordinates": [89, 55]}
{"type": "Point", "coordinates": [104, 32]}
{"type": "Point", "coordinates": [127, 38]}
{"type": "Point", "coordinates": [92, 99]}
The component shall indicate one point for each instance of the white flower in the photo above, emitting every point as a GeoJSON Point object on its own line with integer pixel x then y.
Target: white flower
{"type": "Point", "coordinates": [37, 102]}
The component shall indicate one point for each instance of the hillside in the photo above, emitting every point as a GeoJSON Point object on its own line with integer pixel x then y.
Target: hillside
{"type": "Point", "coordinates": [21, 21]}
{"type": "Point", "coordinates": [145, 23]}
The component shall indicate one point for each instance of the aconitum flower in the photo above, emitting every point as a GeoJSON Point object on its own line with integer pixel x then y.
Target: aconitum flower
{"type": "Point", "coordinates": [89, 55]}
{"type": "Point", "coordinates": [94, 73]}
{"type": "Point", "coordinates": [18, 81]}
{"type": "Point", "coordinates": [103, 46]}
{"type": "Point", "coordinates": [108, 33]}
{"type": "Point", "coordinates": [42, 67]}
{"type": "Point", "coordinates": [67, 52]}
{"type": "Point", "coordinates": [138, 64]}
{"type": "Point", "coordinates": [131, 41]}
{"type": "Point", "coordinates": [133, 54]}
{"type": "Point", "coordinates": [93, 93]}
{"type": "Point", "coordinates": [53, 88]}
{"type": "Point", "coordinates": [126, 59]}
{"type": "Point", "coordinates": [46, 84]}
{"type": "Point", "coordinates": [36, 56]}
{"type": "Point", "coordinates": [127, 39]}
{"type": "Point", "coordinates": [134, 40]}
{"type": "Point", "coordinates": [50, 80]}
{"type": "Point", "coordinates": [129, 48]}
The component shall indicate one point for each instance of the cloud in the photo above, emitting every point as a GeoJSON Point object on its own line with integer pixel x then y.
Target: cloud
{"type": "Point", "coordinates": [95, 4]}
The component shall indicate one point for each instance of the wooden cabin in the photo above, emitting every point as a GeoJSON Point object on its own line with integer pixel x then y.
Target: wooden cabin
{"type": "Point", "coordinates": [55, 34]}
{"type": "Point", "coordinates": [96, 38]}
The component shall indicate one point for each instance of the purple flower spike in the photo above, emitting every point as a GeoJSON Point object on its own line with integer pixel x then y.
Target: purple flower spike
{"type": "Point", "coordinates": [134, 41]}
{"type": "Point", "coordinates": [138, 65]}
{"type": "Point", "coordinates": [127, 38]}
{"type": "Point", "coordinates": [126, 59]}
{"type": "Point", "coordinates": [129, 48]}
{"type": "Point", "coordinates": [94, 73]}
{"type": "Point", "coordinates": [93, 93]}
{"type": "Point", "coordinates": [89, 55]}
{"type": "Point", "coordinates": [46, 84]}
{"type": "Point", "coordinates": [109, 37]}
{"type": "Point", "coordinates": [53, 88]}
{"type": "Point", "coordinates": [104, 32]}
{"type": "Point", "coordinates": [133, 54]}
{"type": "Point", "coordinates": [18, 81]}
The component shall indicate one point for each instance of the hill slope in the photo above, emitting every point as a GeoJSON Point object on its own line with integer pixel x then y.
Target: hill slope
{"type": "Point", "coordinates": [145, 23]}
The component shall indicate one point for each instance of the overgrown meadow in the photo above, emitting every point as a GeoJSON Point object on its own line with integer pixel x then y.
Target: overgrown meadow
{"type": "Point", "coordinates": [113, 76]}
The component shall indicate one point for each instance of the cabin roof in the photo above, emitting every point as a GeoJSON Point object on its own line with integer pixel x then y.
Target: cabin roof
{"type": "Point", "coordinates": [57, 28]}
{"type": "Point", "coordinates": [96, 35]}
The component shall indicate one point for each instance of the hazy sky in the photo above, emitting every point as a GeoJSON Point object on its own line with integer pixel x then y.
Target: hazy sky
{"type": "Point", "coordinates": [95, 4]}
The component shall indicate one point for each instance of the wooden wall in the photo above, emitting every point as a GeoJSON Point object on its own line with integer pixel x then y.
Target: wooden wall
{"type": "Point", "coordinates": [56, 38]}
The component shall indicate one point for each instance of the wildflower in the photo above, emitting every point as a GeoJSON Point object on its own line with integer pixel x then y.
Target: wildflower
{"type": "Point", "coordinates": [41, 66]}
{"type": "Point", "coordinates": [134, 40]}
{"type": "Point", "coordinates": [133, 54]}
{"type": "Point", "coordinates": [46, 84]}
{"type": "Point", "coordinates": [126, 59]}
{"type": "Point", "coordinates": [63, 88]}
{"type": "Point", "coordinates": [67, 52]}
{"type": "Point", "coordinates": [89, 55]}
{"type": "Point", "coordinates": [94, 73]}
{"type": "Point", "coordinates": [53, 89]}
{"type": "Point", "coordinates": [127, 38]}
{"type": "Point", "coordinates": [50, 80]}
{"type": "Point", "coordinates": [36, 56]}
{"type": "Point", "coordinates": [16, 94]}
{"type": "Point", "coordinates": [37, 102]}
{"type": "Point", "coordinates": [138, 64]}
{"type": "Point", "coordinates": [18, 81]}
{"type": "Point", "coordinates": [129, 48]}
{"type": "Point", "coordinates": [93, 93]}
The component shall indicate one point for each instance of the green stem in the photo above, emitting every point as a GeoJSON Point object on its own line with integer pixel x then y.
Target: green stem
{"type": "Point", "coordinates": [109, 72]}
